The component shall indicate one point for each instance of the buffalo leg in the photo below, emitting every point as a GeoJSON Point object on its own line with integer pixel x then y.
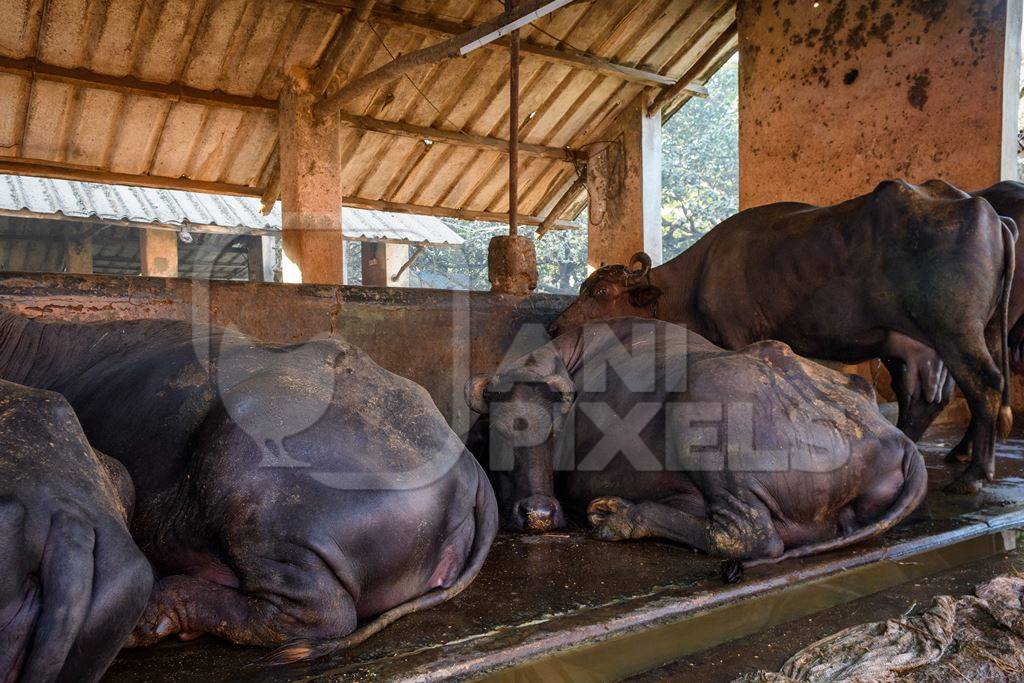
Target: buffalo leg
{"type": "Point", "coordinates": [732, 529]}
{"type": "Point", "coordinates": [189, 606]}
{"type": "Point", "coordinates": [961, 452]}
{"type": "Point", "coordinates": [978, 376]}
{"type": "Point", "coordinates": [1016, 346]}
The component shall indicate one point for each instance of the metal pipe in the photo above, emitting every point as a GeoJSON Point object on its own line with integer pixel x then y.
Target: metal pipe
{"type": "Point", "coordinates": [513, 127]}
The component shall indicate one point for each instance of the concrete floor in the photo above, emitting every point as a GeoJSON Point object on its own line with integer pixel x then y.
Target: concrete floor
{"type": "Point", "coordinates": [559, 594]}
{"type": "Point", "coordinates": [771, 648]}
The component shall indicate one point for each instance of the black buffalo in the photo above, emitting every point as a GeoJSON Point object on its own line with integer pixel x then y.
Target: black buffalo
{"type": "Point", "coordinates": [751, 455]}
{"type": "Point", "coordinates": [917, 275]}
{"type": "Point", "coordinates": [1007, 198]}
{"type": "Point", "coordinates": [72, 581]}
{"type": "Point", "coordinates": [284, 493]}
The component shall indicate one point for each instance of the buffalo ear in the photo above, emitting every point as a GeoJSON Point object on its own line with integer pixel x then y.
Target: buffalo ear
{"type": "Point", "coordinates": [474, 391]}
{"type": "Point", "coordinates": [644, 296]}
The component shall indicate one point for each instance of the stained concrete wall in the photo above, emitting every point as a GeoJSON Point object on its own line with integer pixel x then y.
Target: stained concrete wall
{"type": "Point", "coordinates": [837, 95]}
{"type": "Point", "coordinates": [436, 338]}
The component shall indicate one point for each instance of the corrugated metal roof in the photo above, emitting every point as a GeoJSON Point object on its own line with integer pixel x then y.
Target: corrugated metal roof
{"type": "Point", "coordinates": [52, 197]}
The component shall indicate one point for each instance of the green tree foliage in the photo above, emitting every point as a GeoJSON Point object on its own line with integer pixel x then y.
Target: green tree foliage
{"type": "Point", "coordinates": [699, 190]}
{"type": "Point", "coordinates": [700, 172]}
{"type": "Point", "coordinates": [561, 258]}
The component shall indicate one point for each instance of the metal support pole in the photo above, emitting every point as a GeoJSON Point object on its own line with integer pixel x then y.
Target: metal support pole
{"type": "Point", "coordinates": [513, 127]}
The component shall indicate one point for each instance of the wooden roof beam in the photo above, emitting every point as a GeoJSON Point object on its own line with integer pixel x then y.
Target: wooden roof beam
{"type": "Point", "coordinates": [216, 98]}
{"type": "Point", "coordinates": [446, 49]}
{"type": "Point", "coordinates": [445, 212]}
{"type": "Point", "coordinates": [458, 138]}
{"type": "Point", "coordinates": [575, 191]}
{"type": "Point", "coordinates": [578, 59]}
{"type": "Point", "coordinates": [330, 63]}
{"type": "Point", "coordinates": [666, 97]}
{"type": "Point", "coordinates": [43, 168]}
{"type": "Point", "coordinates": [129, 85]}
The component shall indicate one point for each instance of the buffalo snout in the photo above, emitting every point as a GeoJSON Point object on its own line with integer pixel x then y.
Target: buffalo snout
{"type": "Point", "coordinates": [538, 514]}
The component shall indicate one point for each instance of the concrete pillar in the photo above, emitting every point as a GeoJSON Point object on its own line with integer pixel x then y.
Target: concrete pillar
{"type": "Point", "coordinates": [78, 253]}
{"type": "Point", "coordinates": [381, 261]}
{"type": "Point", "coordinates": [838, 96]}
{"type": "Point", "coordinates": [624, 182]}
{"type": "Point", "coordinates": [158, 252]}
{"type": "Point", "coordinates": [260, 258]}
{"type": "Point", "coordinates": [313, 249]}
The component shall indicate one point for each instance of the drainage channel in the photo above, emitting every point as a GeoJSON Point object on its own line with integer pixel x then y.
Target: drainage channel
{"type": "Point", "coordinates": [646, 648]}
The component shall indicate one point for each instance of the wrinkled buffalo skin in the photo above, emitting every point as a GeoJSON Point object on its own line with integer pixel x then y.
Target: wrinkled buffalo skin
{"type": "Point", "coordinates": [917, 275]}
{"type": "Point", "coordinates": [863, 478]}
{"type": "Point", "coordinates": [255, 541]}
{"type": "Point", "coordinates": [72, 581]}
{"type": "Point", "coordinates": [1007, 198]}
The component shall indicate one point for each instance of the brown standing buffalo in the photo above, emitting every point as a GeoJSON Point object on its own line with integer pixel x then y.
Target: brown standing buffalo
{"type": "Point", "coordinates": [912, 274]}
{"type": "Point", "coordinates": [653, 432]}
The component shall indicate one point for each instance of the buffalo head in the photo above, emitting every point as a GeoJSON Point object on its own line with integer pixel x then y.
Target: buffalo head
{"type": "Point", "coordinates": [527, 411]}
{"type": "Point", "coordinates": [612, 292]}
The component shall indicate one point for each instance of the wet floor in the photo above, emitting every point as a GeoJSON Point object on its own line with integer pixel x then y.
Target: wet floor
{"type": "Point", "coordinates": [771, 648]}
{"type": "Point", "coordinates": [545, 593]}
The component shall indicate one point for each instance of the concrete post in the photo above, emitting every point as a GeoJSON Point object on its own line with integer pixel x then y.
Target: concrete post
{"type": "Point", "coordinates": [381, 261]}
{"type": "Point", "coordinates": [158, 252]}
{"type": "Point", "coordinates": [260, 255]}
{"type": "Point", "coordinates": [624, 183]}
{"type": "Point", "coordinates": [313, 249]}
{"type": "Point", "coordinates": [78, 253]}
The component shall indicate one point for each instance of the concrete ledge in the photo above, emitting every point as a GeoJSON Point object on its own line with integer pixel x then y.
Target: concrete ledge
{"type": "Point", "coordinates": [437, 338]}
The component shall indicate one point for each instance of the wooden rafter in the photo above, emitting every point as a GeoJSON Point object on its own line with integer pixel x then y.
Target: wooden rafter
{"type": "Point", "coordinates": [129, 85]}
{"type": "Point", "coordinates": [458, 138]}
{"type": "Point", "coordinates": [215, 98]}
{"type": "Point", "coordinates": [43, 168]}
{"type": "Point", "coordinates": [668, 96]}
{"type": "Point", "coordinates": [464, 214]}
{"type": "Point", "coordinates": [432, 54]}
{"type": "Point", "coordinates": [578, 59]}
{"type": "Point", "coordinates": [575, 191]}
{"type": "Point", "coordinates": [330, 63]}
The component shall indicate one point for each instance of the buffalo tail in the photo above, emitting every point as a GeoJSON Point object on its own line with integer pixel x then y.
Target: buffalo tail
{"type": "Point", "coordinates": [1009, 257]}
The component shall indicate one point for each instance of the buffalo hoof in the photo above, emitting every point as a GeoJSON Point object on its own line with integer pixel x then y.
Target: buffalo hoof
{"type": "Point", "coordinates": [611, 519]}
{"type": "Point", "coordinates": [959, 456]}
{"type": "Point", "coordinates": [151, 628]}
{"type": "Point", "coordinates": [964, 485]}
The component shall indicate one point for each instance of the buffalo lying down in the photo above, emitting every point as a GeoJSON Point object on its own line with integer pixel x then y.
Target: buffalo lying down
{"type": "Point", "coordinates": [72, 581]}
{"type": "Point", "coordinates": [753, 455]}
{"type": "Point", "coordinates": [912, 274]}
{"type": "Point", "coordinates": [285, 493]}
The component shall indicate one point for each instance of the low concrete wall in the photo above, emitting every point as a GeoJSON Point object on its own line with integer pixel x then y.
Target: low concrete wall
{"type": "Point", "coordinates": [436, 338]}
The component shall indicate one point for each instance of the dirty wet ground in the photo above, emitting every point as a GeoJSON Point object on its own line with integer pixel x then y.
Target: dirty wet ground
{"type": "Point", "coordinates": [565, 607]}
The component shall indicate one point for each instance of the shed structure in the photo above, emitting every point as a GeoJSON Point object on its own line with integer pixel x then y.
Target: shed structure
{"type": "Point", "coordinates": [233, 97]}
{"type": "Point", "coordinates": [54, 225]}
